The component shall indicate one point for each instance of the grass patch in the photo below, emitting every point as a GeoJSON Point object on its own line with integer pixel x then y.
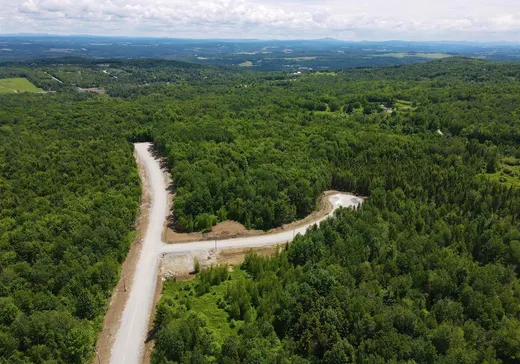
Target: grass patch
{"type": "Point", "coordinates": [508, 173]}
{"type": "Point", "coordinates": [300, 59]}
{"type": "Point", "coordinates": [16, 85]}
{"type": "Point", "coordinates": [511, 161]}
{"type": "Point", "coordinates": [246, 64]}
{"type": "Point", "coordinates": [404, 105]}
{"type": "Point", "coordinates": [431, 55]}
{"type": "Point", "coordinates": [319, 73]}
{"type": "Point", "coordinates": [207, 305]}
{"type": "Point", "coordinates": [420, 55]}
{"type": "Point", "coordinates": [393, 55]}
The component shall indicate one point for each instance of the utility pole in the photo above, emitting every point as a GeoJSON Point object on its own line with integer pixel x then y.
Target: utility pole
{"type": "Point", "coordinates": [124, 281]}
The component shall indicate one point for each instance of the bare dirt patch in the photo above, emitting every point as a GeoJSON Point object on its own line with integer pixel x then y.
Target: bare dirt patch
{"type": "Point", "coordinates": [237, 256]}
{"type": "Point", "coordinates": [223, 230]}
{"type": "Point", "coordinates": [233, 229]}
{"type": "Point", "coordinates": [93, 90]}
{"type": "Point", "coordinates": [118, 301]}
{"type": "Point", "coordinates": [180, 266]}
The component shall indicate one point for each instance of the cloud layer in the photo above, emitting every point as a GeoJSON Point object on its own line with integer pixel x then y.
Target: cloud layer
{"type": "Point", "coordinates": [346, 19]}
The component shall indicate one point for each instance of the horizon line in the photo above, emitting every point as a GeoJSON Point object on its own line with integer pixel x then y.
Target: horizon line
{"type": "Point", "coordinates": [331, 39]}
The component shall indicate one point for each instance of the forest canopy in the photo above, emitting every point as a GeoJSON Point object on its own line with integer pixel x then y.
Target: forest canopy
{"type": "Point", "coordinates": [426, 271]}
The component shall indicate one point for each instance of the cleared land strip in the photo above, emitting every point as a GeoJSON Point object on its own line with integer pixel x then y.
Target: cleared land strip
{"type": "Point", "coordinates": [131, 335]}
{"type": "Point", "coordinates": [54, 78]}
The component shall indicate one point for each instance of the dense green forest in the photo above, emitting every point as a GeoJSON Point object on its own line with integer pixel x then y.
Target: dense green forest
{"type": "Point", "coordinates": [425, 271]}
{"type": "Point", "coordinates": [69, 193]}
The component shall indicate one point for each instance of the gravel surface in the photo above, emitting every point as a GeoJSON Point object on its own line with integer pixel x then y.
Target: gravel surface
{"type": "Point", "coordinates": [128, 346]}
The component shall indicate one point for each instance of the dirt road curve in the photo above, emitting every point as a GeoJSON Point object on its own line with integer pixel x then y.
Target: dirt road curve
{"type": "Point", "coordinates": [129, 342]}
{"type": "Point", "coordinates": [337, 200]}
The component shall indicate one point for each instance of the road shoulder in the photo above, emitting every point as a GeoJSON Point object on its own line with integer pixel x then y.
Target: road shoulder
{"type": "Point", "coordinates": [119, 297]}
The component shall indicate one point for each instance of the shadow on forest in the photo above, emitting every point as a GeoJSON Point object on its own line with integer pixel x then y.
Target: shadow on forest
{"type": "Point", "coordinates": [150, 335]}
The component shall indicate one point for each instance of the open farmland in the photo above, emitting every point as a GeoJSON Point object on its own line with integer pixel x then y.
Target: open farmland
{"type": "Point", "coordinates": [16, 85]}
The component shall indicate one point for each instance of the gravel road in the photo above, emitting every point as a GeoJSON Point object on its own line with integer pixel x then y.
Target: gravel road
{"type": "Point", "coordinates": [337, 200]}
{"type": "Point", "coordinates": [129, 342]}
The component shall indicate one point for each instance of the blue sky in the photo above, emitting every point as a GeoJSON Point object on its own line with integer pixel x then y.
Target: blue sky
{"type": "Point", "coordinates": [481, 20]}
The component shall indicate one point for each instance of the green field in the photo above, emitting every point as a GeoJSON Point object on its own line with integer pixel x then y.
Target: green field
{"type": "Point", "coordinates": [404, 105]}
{"type": "Point", "coordinates": [420, 55]}
{"type": "Point", "coordinates": [246, 64]}
{"type": "Point", "coordinates": [16, 85]}
{"type": "Point", "coordinates": [319, 73]}
{"type": "Point", "coordinates": [300, 59]}
{"type": "Point", "coordinates": [206, 306]}
{"type": "Point", "coordinates": [508, 172]}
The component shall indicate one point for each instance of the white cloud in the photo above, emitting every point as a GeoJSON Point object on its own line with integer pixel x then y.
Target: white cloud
{"type": "Point", "coordinates": [348, 19]}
